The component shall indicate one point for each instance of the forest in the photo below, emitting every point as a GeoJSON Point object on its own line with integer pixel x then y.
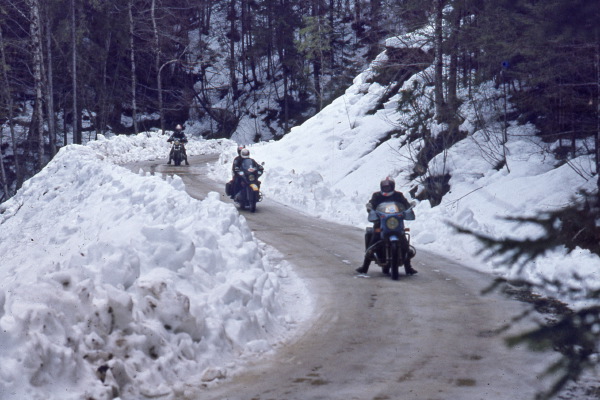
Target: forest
{"type": "Point", "coordinates": [72, 69]}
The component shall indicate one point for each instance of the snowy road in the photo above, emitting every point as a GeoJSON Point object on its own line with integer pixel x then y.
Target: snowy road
{"type": "Point", "coordinates": [424, 337]}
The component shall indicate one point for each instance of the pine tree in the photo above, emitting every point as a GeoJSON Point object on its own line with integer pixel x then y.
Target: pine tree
{"type": "Point", "coordinates": [575, 334]}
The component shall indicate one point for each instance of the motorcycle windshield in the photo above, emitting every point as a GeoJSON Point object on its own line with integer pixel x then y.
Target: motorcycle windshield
{"type": "Point", "coordinates": [248, 165]}
{"type": "Point", "coordinates": [390, 207]}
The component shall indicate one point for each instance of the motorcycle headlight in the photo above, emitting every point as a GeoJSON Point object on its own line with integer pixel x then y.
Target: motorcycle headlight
{"type": "Point", "coordinates": [392, 223]}
{"type": "Point", "coordinates": [251, 178]}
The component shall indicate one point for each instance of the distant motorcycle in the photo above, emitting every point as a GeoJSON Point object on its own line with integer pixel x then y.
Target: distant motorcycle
{"type": "Point", "coordinates": [388, 251]}
{"type": "Point", "coordinates": [177, 152]}
{"type": "Point", "coordinates": [249, 186]}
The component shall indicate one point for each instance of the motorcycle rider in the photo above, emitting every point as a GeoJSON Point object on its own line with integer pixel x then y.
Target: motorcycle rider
{"type": "Point", "coordinates": [244, 153]}
{"type": "Point", "coordinates": [178, 135]}
{"type": "Point", "coordinates": [237, 162]}
{"type": "Point", "coordinates": [387, 193]}
{"type": "Point", "coordinates": [235, 167]}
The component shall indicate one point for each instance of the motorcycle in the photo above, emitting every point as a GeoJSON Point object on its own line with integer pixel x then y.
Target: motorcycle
{"type": "Point", "coordinates": [177, 152]}
{"type": "Point", "coordinates": [388, 252]}
{"type": "Point", "coordinates": [249, 185]}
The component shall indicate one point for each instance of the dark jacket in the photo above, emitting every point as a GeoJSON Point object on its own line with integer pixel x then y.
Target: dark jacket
{"type": "Point", "coordinates": [178, 135]}
{"type": "Point", "coordinates": [379, 198]}
{"type": "Point", "coordinates": [237, 163]}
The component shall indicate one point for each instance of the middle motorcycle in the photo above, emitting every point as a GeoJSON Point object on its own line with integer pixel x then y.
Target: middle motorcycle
{"type": "Point", "coordinates": [248, 193]}
{"type": "Point", "coordinates": [388, 251]}
{"type": "Point", "coordinates": [177, 152]}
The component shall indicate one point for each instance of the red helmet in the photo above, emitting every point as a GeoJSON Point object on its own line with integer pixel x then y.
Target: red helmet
{"type": "Point", "coordinates": [387, 186]}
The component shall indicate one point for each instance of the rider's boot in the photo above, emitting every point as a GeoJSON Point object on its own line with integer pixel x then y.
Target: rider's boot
{"type": "Point", "coordinates": [365, 267]}
{"type": "Point", "coordinates": [409, 269]}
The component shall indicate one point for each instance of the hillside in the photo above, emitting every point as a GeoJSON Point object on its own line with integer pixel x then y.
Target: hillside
{"type": "Point", "coordinates": [330, 165]}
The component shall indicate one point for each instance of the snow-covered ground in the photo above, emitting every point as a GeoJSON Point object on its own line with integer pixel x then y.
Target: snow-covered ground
{"type": "Point", "coordinates": [113, 282]}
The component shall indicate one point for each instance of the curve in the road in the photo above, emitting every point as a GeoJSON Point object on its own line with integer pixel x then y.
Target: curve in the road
{"type": "Point", "coordinates": [426, 337]}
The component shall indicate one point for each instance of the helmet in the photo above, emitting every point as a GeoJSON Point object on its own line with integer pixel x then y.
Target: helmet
{"type": "Point", "coordinates": [240, 148]}
{"type": "Point", "coordinates": [387, 186]}
{"type": "Point", "coordinates": [245, 153]}
{"type": "Point", "coordinates": [179, 127]}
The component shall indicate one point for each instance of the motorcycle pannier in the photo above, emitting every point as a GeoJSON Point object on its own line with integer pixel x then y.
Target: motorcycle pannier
{"type": "Point", "coordinates": [228, 188]}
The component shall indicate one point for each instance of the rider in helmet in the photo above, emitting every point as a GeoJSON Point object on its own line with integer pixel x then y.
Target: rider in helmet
{"type": "Point", "coordinates": [387, 192]}
{"type": "Point", "coordinates": [178, 135]}
{"type": "Point", "coordinates": [235, 167]}
{"type": "Point", "coordinates": [243, 153]}
{"type": "Point", "coordinates": [237, 160]}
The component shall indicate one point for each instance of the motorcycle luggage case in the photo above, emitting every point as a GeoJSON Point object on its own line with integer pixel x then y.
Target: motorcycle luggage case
{"type": "Point", "coordinates": [229, 188]}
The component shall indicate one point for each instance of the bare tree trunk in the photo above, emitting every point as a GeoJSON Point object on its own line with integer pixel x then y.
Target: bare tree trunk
{"type": "Point", "coordinates": [318, 58]}
{"type": "Point", "coordinates": [453, 67]}
{"type": "Point", "coordinates": [50, 89]}
{"type": "Point", "coordinates": [5, 193]}
{"type": "Point", "coordinates": [65, 133]}
{"type": "Point", "coordinates": [204, 15]}
{"type": "Point", "coordinates": [358, 19]}
{"type": "Point", "coordinates": [374, 17]}
{"type": "Point", "coordinates": [332, 33]}
{"type": "Point", "coordinates": [101, 120]}
{"type": "Point", "coordinates": [157, 54]}
{"type": "Point", "coordinates": [133, 72]}
{"type": "Point", "coordinates": [232, 75]}
{"type": "Point", "coordinates": [244, 27]}
{"type": "Point", "coordinates": [285, 102]}
{"type": "Point", "coordinates": [76, 133]}
{"type": "Point", "coordinates": [270, 47]}
{"type": "Point", "coordinates": [10, 111]}
{"type": "Point", "coordinates": [439, 59]}
{"type": "Point", "coordinates": [36, 39]}
{"type": "Point", "coordinates": [598, 115]}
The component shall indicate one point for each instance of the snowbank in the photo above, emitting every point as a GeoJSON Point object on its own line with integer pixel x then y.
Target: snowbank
{"type": "Point", "coordinates": [117, 284]}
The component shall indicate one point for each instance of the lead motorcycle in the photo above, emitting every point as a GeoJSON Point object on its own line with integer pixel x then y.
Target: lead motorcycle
{"type": "Point", "coordinates": [249, 185]}
{"type": "Point", "coordinates": [388, 251]}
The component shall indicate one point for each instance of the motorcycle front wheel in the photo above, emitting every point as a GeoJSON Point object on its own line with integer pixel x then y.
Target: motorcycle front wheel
{"type": "Point", "coordinates": [395, 260]}
{"type": "Point", "coordinates": [386, 259]}
{"type": "Point", "coordinates": [251, 199]}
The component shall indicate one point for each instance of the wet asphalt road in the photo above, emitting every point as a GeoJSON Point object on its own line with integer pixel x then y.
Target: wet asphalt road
{"type": "Point", "coordinates": [426, 337]}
